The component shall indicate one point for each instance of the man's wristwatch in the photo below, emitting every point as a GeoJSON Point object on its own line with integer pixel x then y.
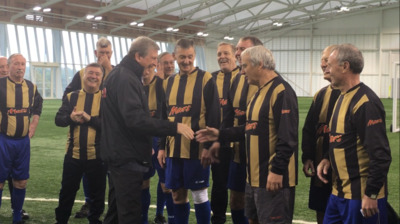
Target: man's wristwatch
{"type": "Point", "coordinates": [372, 196]}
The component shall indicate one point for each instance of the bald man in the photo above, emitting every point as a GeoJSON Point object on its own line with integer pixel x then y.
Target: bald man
{"type": "Point", "coordinates": [3, 67]}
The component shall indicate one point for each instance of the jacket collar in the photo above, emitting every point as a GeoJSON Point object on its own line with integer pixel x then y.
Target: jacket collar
{"type": "Point", "coordinates": [131, 64]}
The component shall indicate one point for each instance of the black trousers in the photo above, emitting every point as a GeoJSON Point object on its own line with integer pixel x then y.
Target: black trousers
{"type": "Point", "coordinates": [124, 197]}
{"type": "Point", "coordinates": [219, 192]}
{"type": "Point", "coordinates": [73, 170]}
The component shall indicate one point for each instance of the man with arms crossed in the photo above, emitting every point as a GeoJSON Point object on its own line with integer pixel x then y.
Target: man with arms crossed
{"type": "Point", "coordinates": [127, 128]}
{"type": "Point", "coordinates": [271, 140]}
{"type": "Point", "coordinates": [81, 112]}
{"type": "Point", "coordinates": [316, 139]}
{"type": "Point", "coordinates": [19, 100]}
{"type": "Point", "coordinates": [359, 152]}
{"type": "Point", "coordinates": [191, 98]}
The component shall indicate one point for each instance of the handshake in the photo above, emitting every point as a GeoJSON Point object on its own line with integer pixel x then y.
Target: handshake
{"type": "Point", "coordinates": [79, 116]}
{"type": "Point", "coordinates": [205, 135]}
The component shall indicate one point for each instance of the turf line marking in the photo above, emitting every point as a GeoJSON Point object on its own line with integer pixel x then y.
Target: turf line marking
{"type": "Point", "coordinates": [151, 206]}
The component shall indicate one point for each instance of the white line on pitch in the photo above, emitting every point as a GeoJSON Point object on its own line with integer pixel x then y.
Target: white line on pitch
{"type": "Point", "coordinates": [151, 206]}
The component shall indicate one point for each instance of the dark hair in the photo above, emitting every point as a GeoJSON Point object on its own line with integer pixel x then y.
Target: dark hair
{"type": "Point", "coordinates": [184, 44]}
{"type": "Point", "coordinates": [351, 54]}
{"type": "Point", "coordinates": [254, 40]}
{"type": "Point", "coordinates": [94, 65]}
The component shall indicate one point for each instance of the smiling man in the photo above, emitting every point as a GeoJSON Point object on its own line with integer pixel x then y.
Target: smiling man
{"type": "Point", "coordinates": [359, 151]}
{"type": "Point", "coordinates": [83, 147]}
{"type": "Point", "coordinates": [127, 131]}
{"type": "Point", "coordinates": [165, 65]}
{"type": "Point", "coordinates": [19, 101]}
{"type": "Point", "coordinates": [316, 139]}
{"type": "Point", "coordinates": [271, 140]}
{"type": "Point", "coordinates": [191, 98]}
{"type": "Point", "coordinates": [220, 172]}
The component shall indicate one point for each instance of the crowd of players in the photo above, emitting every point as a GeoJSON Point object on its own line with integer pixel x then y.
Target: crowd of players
{"type": "Point", "coordinates": [137, 118]}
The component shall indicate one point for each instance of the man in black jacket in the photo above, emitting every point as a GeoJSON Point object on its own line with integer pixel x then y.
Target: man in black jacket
{"type": "Point", "coordinates": [127, 131]}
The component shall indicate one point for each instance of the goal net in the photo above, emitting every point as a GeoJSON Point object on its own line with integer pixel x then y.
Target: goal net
{"type": "Point", "coordinates": [395, 127]}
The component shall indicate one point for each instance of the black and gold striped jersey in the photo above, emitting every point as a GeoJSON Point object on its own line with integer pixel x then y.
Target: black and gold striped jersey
{"type": "Point", "coordinates": [223, 82]}
{"type": "Point", "coordinates": [83, 138]}
{"type": "Point", "coordinates": [77, 81]}
{"type": "Point", "coordinates": [18, 102]}
{"type": "Point", "coordinates": [239, 96]}
{"type": "Point", "coordinates": [193, 100]}
{"type": "Point", "coordinates": [315, 141]}
{"type": "Point", "coordinates": [271, 133]}
{"type": "Point", "coordinates": [156, 97]}
{"type": "Point", "coordinates": [359, 148]}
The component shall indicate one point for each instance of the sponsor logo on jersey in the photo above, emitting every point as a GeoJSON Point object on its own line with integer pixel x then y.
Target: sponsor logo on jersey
{"type": "Point", "coordinates": [323, 129]}
{"type": "Point", "coordinates": [372, 122]}
{"type": "Point", "coordinates": [335, 138]}
{"type": "Point", "coordinates": [177, 110]}
{"type": "Point", "coordinates": [285, 111]}
{"type": "Point", "coordinates": [14, 111]}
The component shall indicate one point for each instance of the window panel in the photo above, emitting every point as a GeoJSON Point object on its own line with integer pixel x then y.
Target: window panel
{"type": "Point", "coordinates": [117, 48]}
{"type": "Point", "coordinates": [49, 41]}
{"type": "Point", "coordinates": [124, 47]}
{"type": "Point", "coordinates": [90, 48]}
{"type": "Point", "coordinates": [83, 48]}
{"type": "Point", "coordinates": [41, 45]}
{"type": "Point", "coordinates": [75, 49]}
{"type": "Point", "coordinates": [67, 47]}
{"type": "Point", "coordinates": [113, 57]}
{"type": "Point", "coordinates": [12, 39]}
{"type": "Point", "coordinates": [22, 43]}
{"type": "Point", "coordinates": [32, 43]}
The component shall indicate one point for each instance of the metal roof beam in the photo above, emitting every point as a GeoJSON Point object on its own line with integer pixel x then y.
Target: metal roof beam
{"type": "Point", "coordinates": [44, 5]}
{"type": "Point", "coordinates": [102, 10]}
{"type": "Point", "coordinates": [184, 22]}
{"type": "Point", "coordinates": [154, 15]}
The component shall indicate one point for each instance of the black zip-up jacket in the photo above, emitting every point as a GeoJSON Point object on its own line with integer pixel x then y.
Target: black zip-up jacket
{"type": "Point", "coordinates": [127, 127]}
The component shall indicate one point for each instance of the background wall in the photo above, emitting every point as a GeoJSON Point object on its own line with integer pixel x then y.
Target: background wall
{"type": "Point", "coordinates": [297, 53]}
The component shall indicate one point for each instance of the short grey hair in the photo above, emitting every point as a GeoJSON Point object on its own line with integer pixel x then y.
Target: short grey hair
{"type": "Point", "coordinates": [260, 54]}
{"type": "Point", "coordinates": [351, 54]}
{"type": "Point", "coordinates": [103, 42]}
{"type": "Point", "coordinates": [142, 45]}
{"type": "Point", "coordinates": [160, 56]}
{"type": "Point", "coordinates": [231, 45]}
{"type": "Point", "coordinates": [184, 44]}
{"type": "Point", "coordinates": [330, 49]}
{"type": "Point", "coordinates": [12, 56]}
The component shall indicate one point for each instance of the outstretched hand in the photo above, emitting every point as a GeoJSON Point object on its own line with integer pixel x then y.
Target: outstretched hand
{"type": "Point", "coordinates": [207, 135]}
